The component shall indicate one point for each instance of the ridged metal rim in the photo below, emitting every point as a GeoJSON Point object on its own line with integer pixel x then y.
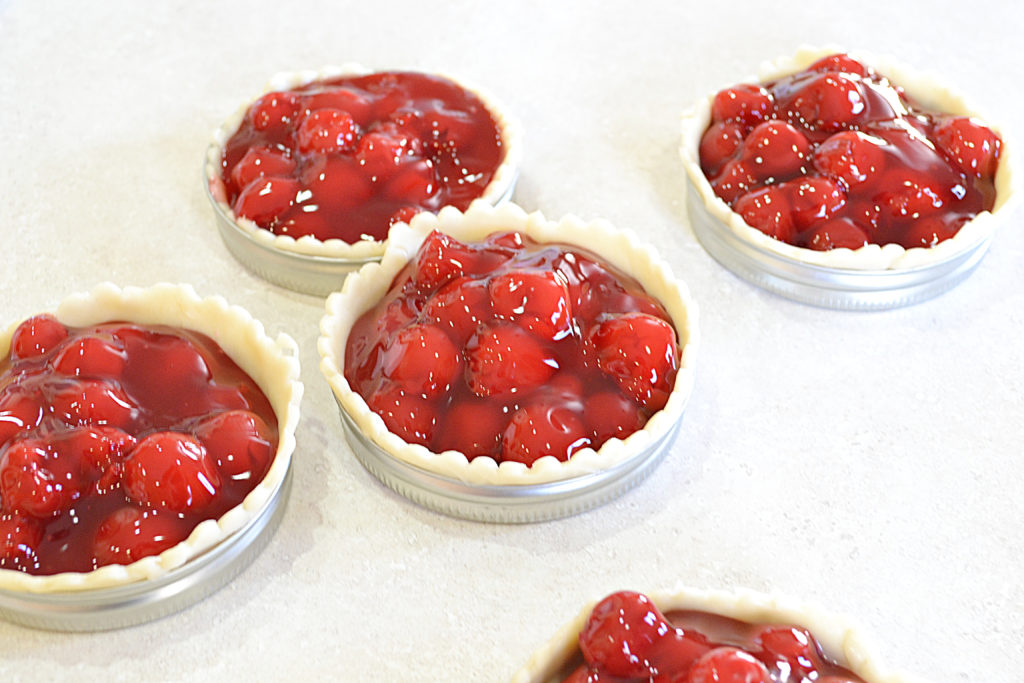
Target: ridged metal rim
{"type": "Point", "coordinates": [122, 606]}
{"type": "Point", "coordinates": [505, 503]}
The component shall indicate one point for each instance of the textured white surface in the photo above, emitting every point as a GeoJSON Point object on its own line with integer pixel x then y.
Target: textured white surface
{"type": "Point", "coordinates": [869, 463]}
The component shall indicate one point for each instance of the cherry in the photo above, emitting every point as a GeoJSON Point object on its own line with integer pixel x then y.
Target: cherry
{"type": "Point", "coordinates": [27, 485]}
{"type": "Point", "coordinates": [460, 307]}
{"type": "Point", "coordinates": [403, 215]}
{"type": "Point", "coordinates": [747, 104]}
{"type": "Point", "coordinates": [541, 429]}
{"type": "Point", "coordinates": [264, 200]}
{"type": "Point", "coordinates": [416, 183]}
{"type": "Point", "coordinates": [728, 665]}
{"type": "Point", "coordinates": [911, 195]}
{"type": "Point", "coordinates": [768, 210]}
{"type": "Point", "coordinates": [775, 149]}
{"type": "Point", "coordinates": [19, 412]}
{"type": "Point", "coordinates": [813, 200]}
{"type": "Point", "coordinates": [274, 111]}
{"type": "Point", "coordinates": [675, 653]}
{"type": "Point", "coordinates": [345, 99]}
{"type": "Point", "coordinates": [718, 144]}
{"type": "Point", "coordinates": [130, 534]}
{"type": "Point", "coordinates": [610, 414]}
{"type": "Point", "coordinates": [384, 149]}
{"type": "Point", "coordinates": [93, 402]}
{"type": "Point", "coordinates": [839, 62]}
{"type": "Point", "coordinates": [95, 449]}
{"type": "Point", "coordinates": [19, 538]}
{"type": "Point", "coordinates": [441, 258]}
{"type": "Point", "coordinates": [472, 427]}
{"type": "Point", "coordinates": [421, 359]}
{"type": "Point", "coordinates": [450, 127]}
{"type": "Point", "coordinates": [171, 372]}
{"type": "Point", "coordinates": [537, 300]}
{"type": "Point", "coordinates": [259, 162]}
{"type": "Point", "coordinates": [838, 233]}
{"type": "Point", "coordinates": [850, 156]}
{"type": "Point", "coordinates": [735, 180]}
{"type": "Point", "coordinates": [620, 632]}
{"type": "Point", "coordinates": [172, 471]}
{"type": "Point", "coordinates": [972, 146]}
{"type": "Point", "coordinates": [37, 336]}
{"type": "Point", "coordinates": [325, 131]}
{"type": "Point", "coordinates": [90, 357]}
{"type": "Point", "coordinates": [929, 231]}
{"type": "Point", "coordinates": [639, 352]}
{"type": "Point", "coordinates": [302, 223]}
{"type": "Point", "coordinates": [827, 102]}
{"type": "Point", "coordinates": [505, 359]}
{"type": "Point", "coordinates": [238, 442]}
{"type": "Point", "coordinates": [410, 416]}
{"type": "Point", "coordinates": [791, 646]}
{"type": "Point", "coordinates": [335, 182]}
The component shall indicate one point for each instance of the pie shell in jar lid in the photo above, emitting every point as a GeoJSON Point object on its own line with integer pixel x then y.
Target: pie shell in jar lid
{"type": "Point", "coordinates": [481, 488]}
{"type": "Point", "coordinates": [308, 264]}
{"type": "Point", "coordinates": [842, 642]}
{"type": "Point", "coordinates": [117, 595]}
{"type": "Point", "coordinates": [873, 277]}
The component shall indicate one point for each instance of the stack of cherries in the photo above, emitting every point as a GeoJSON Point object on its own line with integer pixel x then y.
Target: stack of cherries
{"type": "Point", "coordinates": [347, 157]}
{"type": "Point", "coordinates": [628, 639]}
{"type": "Point", "coordinates": [837, 156]}
{"type": "Point", "coordinates": [116, 440]}
{"type": "Point", "coordinates": [512, 349]}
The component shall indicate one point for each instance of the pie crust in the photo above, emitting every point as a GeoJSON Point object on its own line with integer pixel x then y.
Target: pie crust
{"type": "Point", "coordinates": [499, 189]}
{"type": "Point", "coordinates": [272, 363]}
{"type": "Point", "coordinates": [842, 642]}
{"type": "Point", "coordinates": [930, 93]}
{"type": "Point", "coordinates": [620, 248]}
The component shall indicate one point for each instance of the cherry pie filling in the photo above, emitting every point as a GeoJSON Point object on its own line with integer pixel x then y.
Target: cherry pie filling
{"type": "Point", "coordinates": [512, 349]}
{"type": "Point", "coordinates": [627, 638]}
{"type": "Point", "coordinates": [346, 157]}
{"type": "Point", "coordinates": [117, 440]}
{"type": "Point", "coordinates": [838, 156]}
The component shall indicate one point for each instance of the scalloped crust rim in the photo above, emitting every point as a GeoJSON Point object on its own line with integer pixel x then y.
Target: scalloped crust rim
{"type": "Point", "coordinates": [620, 248]}
{"type": "Point", "coordinates": [272, 363]}
{"type": "Point", "coordinates": [496, 190]}
{"type": "Point", "coordinates": [927, 90]}
{"type": "Point", "coordinates": [841, 641]}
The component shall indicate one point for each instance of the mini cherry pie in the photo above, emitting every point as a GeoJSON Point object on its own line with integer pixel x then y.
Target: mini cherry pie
{"type": "Point", "coordinates": [491, 347]}
{"type": "Point", "coordinates": [138, 428]}
{"type": "Point", "coordinates": [325, 162]}
{"type": "Point", "coordinates": [694, 636]}
{"type": "Point", "coordinates": [830, 160]}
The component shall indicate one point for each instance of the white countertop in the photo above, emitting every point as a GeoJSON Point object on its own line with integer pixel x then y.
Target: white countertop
{"type": "Point", "coordinates": [868, 463]}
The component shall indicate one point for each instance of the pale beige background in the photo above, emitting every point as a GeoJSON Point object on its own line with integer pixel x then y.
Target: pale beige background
{"type": "Point", "coordinates": [870, 463]}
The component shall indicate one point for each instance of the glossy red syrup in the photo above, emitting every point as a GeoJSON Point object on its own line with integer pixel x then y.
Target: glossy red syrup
{"type": "Point", "coordinates": [347, 157]}
{"type": "Point", "coordinates": [512, 349]}
{"type": "Point", "coordinates": [838, 156]}
{"type": "Point", "coordinates": [627, 638]}
{"type": "Point", "coordinates": [116, 440]}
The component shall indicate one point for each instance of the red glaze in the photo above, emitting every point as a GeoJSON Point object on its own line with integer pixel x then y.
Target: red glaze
{"type": "Point", "coordinates": [512, 349]}
{"type": "Point", "coordinates": [116, 440]}
{"type": "Point", "coordinates": [346, 157]}
{"type": "Point", "coordinates": [837, 156]}
{"type": "Point", "coordinates": [627, 638]}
